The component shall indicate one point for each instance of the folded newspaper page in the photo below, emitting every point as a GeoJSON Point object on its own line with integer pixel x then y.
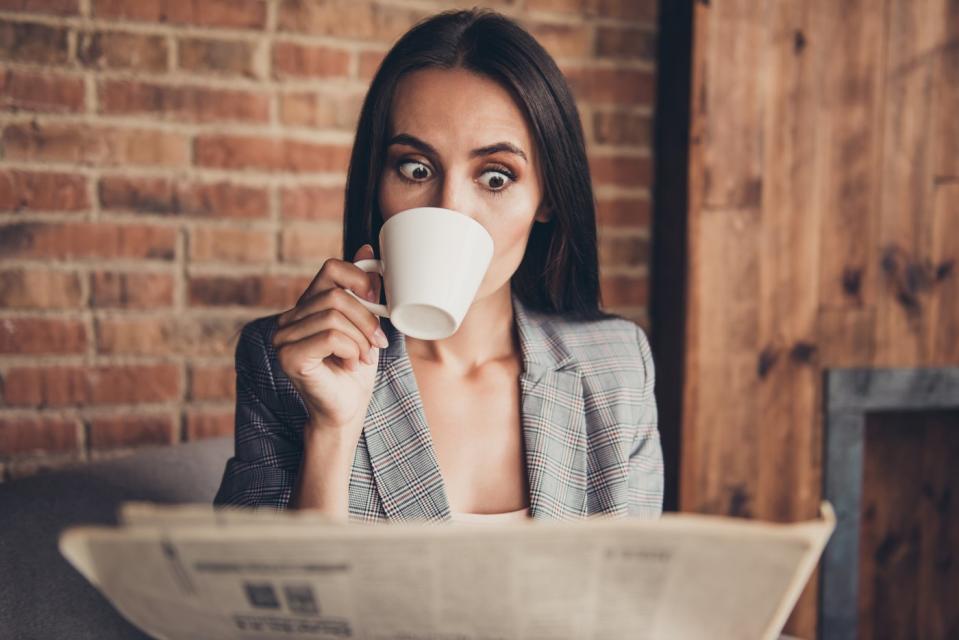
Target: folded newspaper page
{"type": "Point", "coordinates": [196, 572]}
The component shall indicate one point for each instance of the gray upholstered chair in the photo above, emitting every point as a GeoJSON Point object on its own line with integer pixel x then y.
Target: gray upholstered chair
{"type": "Point", "coordinates": [41, 595]}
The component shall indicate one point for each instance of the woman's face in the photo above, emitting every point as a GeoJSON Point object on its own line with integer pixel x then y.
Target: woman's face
{"type": "Point", "coordinates": [457, 140]}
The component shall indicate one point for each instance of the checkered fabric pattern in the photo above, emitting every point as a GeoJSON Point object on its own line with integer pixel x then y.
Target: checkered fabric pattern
{"type": "Point", "coordinates": [588, 417]}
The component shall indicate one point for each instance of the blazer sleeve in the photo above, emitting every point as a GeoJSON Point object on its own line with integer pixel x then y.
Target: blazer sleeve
{"type": "Point", "coordinates": [268, 449]}
{"type": "Point", "coordinates": [646, 453]}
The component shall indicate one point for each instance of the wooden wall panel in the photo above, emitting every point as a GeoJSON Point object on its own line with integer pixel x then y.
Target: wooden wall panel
{"type": "Point", "coordinates": [905, 209]}
{"type": "Point", "coordinates": [848, 132]}
{"type": "Point", "coordinates": [728, 264]}
{"type": "Point", "coordinates": [823, 232]}
{"type": "Point", "coordinates": [942, 318]}
{"type": "Point", "coordinates": [941, 328]}
{"type": "Point", "coordinates": [732, 153]}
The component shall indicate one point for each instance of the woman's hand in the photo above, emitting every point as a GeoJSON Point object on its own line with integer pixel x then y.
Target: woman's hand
{"type": "Point", "coordinates": [328, 345]}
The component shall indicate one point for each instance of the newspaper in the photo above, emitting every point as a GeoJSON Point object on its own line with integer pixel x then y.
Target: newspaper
{"type": "Point", "coordinates": [196, 572]}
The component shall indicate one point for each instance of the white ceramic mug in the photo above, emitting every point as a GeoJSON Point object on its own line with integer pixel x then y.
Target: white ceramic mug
{"type": "Point", "coordinates": [432, 261]}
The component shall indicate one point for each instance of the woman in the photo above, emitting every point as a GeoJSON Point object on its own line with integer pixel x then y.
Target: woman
{"type": "Point", "coordinates": [540, 404]}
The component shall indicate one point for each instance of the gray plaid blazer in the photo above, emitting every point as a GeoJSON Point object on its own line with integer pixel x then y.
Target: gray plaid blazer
{"type": "Point", "coordinates": [587, 411]}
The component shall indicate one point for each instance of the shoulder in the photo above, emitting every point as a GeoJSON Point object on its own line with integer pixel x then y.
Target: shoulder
{"type": "Point", "coordinates": [254, 348]}
{"type": "Point", "coordinates": [258, 333]}
{"type": "Point", "coordinates": [600, 346]}
{"type": "Point", "coordinates": [259, 374]}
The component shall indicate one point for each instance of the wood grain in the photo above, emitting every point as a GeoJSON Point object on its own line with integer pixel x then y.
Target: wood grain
{"type": "Point", "coordinates": [905, 211]}
{"type": "Point", "coordinates": [823, 232]}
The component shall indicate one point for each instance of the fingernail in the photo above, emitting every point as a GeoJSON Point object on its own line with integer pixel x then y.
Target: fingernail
{"type": "Point", "coordinates": [371, 296]}
{"type": "Point", "coordinates": [379, 339]}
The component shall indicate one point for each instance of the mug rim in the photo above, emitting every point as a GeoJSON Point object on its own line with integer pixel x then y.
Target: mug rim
{"type": "Point", "coordinates": [436, 209]}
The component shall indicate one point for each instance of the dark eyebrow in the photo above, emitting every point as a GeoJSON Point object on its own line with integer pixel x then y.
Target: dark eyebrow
{"type": "Point", "coordinates": [413, 141]}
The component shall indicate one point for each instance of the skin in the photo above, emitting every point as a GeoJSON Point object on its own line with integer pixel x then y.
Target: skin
{"type": "Point", "coordinates": [327, 343]}
{"type": "Point", "coordinates": [469, 381]}
{"type": "Point", "coordinates": [456, 111]}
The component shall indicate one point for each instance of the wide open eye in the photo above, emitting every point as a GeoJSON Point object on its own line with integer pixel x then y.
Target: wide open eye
{"type": "Point", "coordinates": [413, 170]}
{"type": "Point", "coordinates": [497, 179]}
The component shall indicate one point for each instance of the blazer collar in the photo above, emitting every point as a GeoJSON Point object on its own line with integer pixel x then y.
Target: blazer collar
{"type": "Point", "coordinates": [402, 457]}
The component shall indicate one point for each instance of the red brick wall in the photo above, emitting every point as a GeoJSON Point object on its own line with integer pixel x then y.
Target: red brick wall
{"type": "Point", "coordinates": [172, 169]}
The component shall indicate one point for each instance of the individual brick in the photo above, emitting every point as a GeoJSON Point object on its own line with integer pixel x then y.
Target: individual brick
{"type": "Point", "coordinates": [22, 435]}
{"type": "Point", "coordinates": [302, 61]}
{"type": "Point", "coordinates": [42, 336]}
{"type": "Point", "coordinates": [131, 290]}
{"type": "Point", "coordinates": [41, 92]}
{"type": "Point", "coordinates": [224, 57]}
{"type": "Point", "coordinates": [40, 289]}
{"type": "Point", "coordinates": [122, 51]}
{"type": "Point", "coordinates": [33, 43]}
{"type": "Point", "coordinates": [42, 191]}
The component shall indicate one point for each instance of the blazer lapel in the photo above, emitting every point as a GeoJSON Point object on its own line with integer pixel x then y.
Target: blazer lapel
{"type": "Point", "coordinates": [402, 457]}
{"type": "Point", "coordinates": [553, 421]}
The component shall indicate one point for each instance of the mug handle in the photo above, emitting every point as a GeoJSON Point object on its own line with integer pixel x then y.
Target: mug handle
{"type": "Point", "coordinates": [370, 266]}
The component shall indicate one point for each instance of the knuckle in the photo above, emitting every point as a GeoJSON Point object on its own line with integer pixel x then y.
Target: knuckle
{"type": "Point", "coordinates": [329, 266]}
{"type": "Point", "coordinates": [335, 318]}
{"type": "Point", "coordinates": [337, 297]}
{"type": "Point", "coordinates": [327, 337]}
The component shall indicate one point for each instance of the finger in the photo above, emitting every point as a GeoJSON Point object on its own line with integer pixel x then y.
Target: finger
{"type": "Point", "coordinates": [320, 321]}
{"type": "Point", "coordinates": [334, 274]}
{"type": "Point", "coordinates": [365, 253]}
{"type": "Point", "coordinates": [337, 273]}
{"type": "Point", "coordinates": [300, 358]}
{"type": "Point", "coordinates": [355, 312]}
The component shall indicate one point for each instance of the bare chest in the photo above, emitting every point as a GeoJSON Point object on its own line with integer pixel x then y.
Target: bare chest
{"type": "Point", "coordinates": [476, 430]}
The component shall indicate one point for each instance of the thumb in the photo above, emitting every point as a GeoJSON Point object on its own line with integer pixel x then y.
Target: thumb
{"type": "Point", "coordinates": [364, 252]}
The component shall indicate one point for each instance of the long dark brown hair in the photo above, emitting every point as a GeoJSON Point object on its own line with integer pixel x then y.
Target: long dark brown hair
{"type": "Point", "coordinates": [559, 272]}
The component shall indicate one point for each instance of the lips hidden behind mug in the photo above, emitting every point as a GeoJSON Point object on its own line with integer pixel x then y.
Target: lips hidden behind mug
{"type": "Point", "coordinates": [433, 261]}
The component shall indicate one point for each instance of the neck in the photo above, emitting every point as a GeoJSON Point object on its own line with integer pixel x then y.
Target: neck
{"type": "Point", "coordinates": [486, 334]}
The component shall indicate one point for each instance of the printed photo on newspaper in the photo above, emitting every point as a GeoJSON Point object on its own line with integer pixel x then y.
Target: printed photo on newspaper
{"type": "Point", "coordinates": [195, 572]}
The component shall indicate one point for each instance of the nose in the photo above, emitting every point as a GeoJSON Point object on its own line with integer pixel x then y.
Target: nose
{"type": "Point", "coordinates": [454, 193]}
